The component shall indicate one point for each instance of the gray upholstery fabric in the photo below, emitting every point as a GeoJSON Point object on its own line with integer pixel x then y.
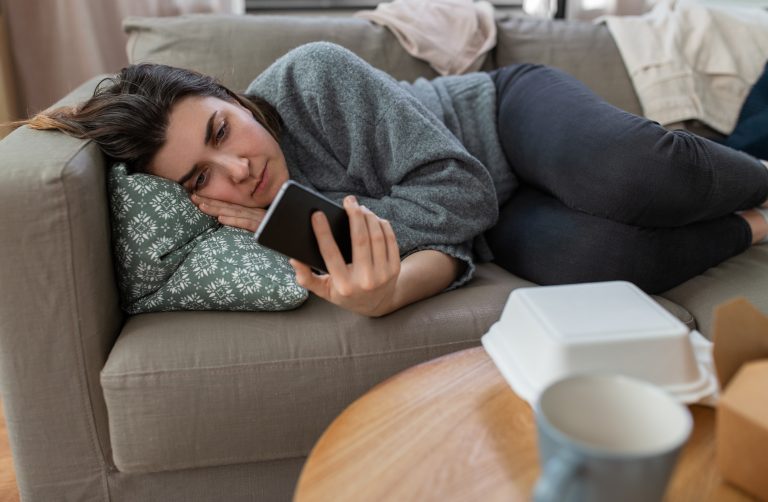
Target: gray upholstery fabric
{"type": "Point", "coordinates": [243, 393]}
{"type": "Point", "coordinates": [745, 275]}
{"type": "Point", "coordinates": [272, 381]}
{"type": "Point", "coordinates": [237, 48]}
{"type": "Point", "coordinates": [585, 50]}
{"type": "Point", "coordinates": [261, 482]}
{"type": "Point", "coordinates": [59, 314]}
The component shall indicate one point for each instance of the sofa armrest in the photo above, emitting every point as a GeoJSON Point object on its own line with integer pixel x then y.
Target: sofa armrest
{"type": "Point", "coordinates": [59, 311]}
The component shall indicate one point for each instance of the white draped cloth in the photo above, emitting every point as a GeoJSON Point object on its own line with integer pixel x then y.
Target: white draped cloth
{"type": "Point", "coordinates": [688, 61]}
{"type": "Point", "coordinates": [451, 35]}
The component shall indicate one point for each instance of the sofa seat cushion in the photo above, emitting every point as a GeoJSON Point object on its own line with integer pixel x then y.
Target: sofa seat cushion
{"type": "Point", "coordinates": [194, 389]}
{"type": "Point", "coordinates": [745, 275]}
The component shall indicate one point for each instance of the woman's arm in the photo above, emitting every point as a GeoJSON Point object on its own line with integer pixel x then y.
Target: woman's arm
{"type": "Point", "coordinates": [424, 274]}
{"type": "Point", "coordinates": [376, 283]}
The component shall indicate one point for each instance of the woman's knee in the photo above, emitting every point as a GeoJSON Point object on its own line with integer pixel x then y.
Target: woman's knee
{"type": "Point", "coordinates": [652, 179]}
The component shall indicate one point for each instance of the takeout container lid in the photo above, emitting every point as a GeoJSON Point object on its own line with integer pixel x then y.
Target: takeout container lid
{"type": "Point", "coordinates": [547, 333]}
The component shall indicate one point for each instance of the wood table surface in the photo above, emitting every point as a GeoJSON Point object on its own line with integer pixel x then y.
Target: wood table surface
{"type": "Point", "coordinates": [453, 429]}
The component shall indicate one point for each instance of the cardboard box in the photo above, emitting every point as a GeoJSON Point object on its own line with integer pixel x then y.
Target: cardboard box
{"type": "Point", "coordinates": [741, 362]}
{"type": "Point", "coordinates": [742, 430]}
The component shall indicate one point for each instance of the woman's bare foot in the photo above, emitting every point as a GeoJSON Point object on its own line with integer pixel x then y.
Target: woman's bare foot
{"type": "Point", "coordinates": [757, 222]}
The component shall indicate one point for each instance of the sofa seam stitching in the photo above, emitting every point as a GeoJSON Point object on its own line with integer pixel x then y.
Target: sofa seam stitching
{"type": "Point", "coordinates": [83, 373]}
{"type": "Point", "coordinates": [245, 367]}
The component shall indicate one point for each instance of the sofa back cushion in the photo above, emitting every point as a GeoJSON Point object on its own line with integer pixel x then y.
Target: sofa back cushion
{"type": "Point", "coordinates": [585, 50]}
{"type": "Point", "coordinates": [236, 49]}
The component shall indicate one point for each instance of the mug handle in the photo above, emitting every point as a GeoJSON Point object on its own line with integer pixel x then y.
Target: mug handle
{"type": "Point", "coordinates": [557, 473]}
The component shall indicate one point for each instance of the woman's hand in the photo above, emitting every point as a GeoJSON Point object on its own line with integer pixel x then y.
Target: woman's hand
{"type": "Point", "coordinates": [368, 284]}
{"type": "Point", "coordinates": [226, 213]}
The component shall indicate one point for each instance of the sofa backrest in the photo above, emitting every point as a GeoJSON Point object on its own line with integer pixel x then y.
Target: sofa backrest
{"type": "Point", "coordinates": [237, 48]}
{"type": "Point", "coordinates": [583, 49]}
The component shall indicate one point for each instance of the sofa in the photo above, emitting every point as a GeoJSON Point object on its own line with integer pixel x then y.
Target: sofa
{"type": "Point", "coordinates": [206, 406]}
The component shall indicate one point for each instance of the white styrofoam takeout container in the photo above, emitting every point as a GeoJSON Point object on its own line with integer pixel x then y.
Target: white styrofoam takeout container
{"type": "Point", "coordinates": [547, 333]}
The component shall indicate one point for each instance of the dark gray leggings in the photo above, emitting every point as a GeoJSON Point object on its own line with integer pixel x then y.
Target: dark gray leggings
{"type": "Point", "coordinates": [608, 195]}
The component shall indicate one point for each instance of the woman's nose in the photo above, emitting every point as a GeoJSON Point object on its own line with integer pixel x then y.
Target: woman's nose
{"type": "Point", "coordinates": [238, 169]}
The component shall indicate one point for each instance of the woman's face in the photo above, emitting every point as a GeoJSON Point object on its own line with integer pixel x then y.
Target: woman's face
{"type": "Point", "coordinates": [215, 148]}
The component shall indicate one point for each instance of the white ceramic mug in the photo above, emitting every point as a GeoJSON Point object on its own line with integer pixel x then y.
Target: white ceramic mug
{"type": "Point", "coordinates": [606, 437]}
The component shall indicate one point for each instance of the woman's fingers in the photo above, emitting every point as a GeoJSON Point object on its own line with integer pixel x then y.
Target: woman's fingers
{"type": "Point", "coordinates": [226, 213]}
{"type": "Point", "coordinates": [378, 246]}
{"type": "Point", "coordinates": [251, 224]}
{"type": "Point", "coordinates": [308, 279]}
{"type": "Point", "coordinates": [358, 231]}
{"type": "Point", "coordinates": [368, 284]}
{"type": "Point", "coordinates": [215, 207]}
{"type": "Point", "coordinates": [393, 251]}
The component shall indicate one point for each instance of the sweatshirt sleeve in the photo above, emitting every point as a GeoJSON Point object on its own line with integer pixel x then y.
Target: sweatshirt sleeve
{"type": "Point", "coordinates": [390, 151]}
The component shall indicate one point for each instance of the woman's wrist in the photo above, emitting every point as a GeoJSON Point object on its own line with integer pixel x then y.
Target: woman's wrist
{"type": "Point", "coordinates": [423, 274]}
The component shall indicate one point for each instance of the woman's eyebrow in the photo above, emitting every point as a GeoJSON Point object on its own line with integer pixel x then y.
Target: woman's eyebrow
{"type": "Point", "coordinates": [208, 135]}
{"type": "Point", "coordinates": [209, 127]}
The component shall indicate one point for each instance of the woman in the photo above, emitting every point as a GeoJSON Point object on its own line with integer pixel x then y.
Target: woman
{"type": "Point", "coordinates": [586, 191]}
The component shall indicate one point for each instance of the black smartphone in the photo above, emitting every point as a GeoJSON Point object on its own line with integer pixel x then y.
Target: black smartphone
{"type": "Point", "coordinates": [287, 227]}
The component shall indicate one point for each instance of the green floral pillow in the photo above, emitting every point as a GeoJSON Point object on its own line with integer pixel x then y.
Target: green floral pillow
{"type": "Point", "coordinates": [171, 256]}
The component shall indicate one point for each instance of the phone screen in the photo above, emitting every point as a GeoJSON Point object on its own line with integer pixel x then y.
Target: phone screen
{"type": "Point", "coordinates": [287, 226]}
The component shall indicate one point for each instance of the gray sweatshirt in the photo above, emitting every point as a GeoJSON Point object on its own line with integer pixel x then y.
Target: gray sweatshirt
{"type": "Point", "coordinates": [425, 156]}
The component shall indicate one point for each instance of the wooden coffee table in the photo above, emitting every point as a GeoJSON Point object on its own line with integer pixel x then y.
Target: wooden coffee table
{"type": "Point", "coordinates": [453, 429]}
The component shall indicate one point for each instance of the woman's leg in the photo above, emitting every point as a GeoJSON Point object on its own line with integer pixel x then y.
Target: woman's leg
{"type": "Point", "coordinates": [542, 240]}
{"type": "Point", "coordinates": [563, 139]}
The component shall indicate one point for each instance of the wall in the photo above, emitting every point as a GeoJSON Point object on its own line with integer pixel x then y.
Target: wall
{"type": "Point", "coordinates": [58, 44]}
{"type": "Point", "coordinates": [7, 83]}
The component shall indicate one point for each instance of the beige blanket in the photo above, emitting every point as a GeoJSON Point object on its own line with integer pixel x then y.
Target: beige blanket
{"type": "Point", "coordinates": [688, 61]}
{"type": "Point", "coordinates": [451, 35]}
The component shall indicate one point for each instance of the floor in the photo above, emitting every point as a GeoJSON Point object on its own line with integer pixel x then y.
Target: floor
{"type": "Point", "coordinates": [8, 490]}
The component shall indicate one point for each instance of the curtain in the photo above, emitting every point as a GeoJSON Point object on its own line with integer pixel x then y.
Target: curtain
{"type": "Point", "coordinates": [56, 45]}
{"type": "Point", "coordinates": [7, 84]}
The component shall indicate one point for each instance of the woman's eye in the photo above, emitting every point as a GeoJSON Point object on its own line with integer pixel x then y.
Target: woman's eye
{"type": "Point", "coordinates": [221, 133]}
{"type": "Point", "coordinates": [201, 179]}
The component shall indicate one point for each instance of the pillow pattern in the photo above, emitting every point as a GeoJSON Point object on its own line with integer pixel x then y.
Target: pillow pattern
{"type": "Point", "coordinates": [171, 256]}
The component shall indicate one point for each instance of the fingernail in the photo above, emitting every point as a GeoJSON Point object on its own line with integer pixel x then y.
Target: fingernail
{"type": "Point", "coordinates": [351, 199]}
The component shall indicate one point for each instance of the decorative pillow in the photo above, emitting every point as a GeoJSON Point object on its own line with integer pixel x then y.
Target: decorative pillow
{"type": "Point", "coordinates": [171, 256]}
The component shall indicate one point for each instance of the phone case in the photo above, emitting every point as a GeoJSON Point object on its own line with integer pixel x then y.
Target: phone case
{"type": "Point", "coordinates": [287, 226]}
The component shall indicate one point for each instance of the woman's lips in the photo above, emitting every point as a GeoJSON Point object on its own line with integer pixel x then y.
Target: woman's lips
{"type": "Point", "coordinates": [263, 181]}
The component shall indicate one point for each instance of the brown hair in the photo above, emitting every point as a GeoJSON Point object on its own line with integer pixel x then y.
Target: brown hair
{"type": "Point", "coordinates": [127, 116]}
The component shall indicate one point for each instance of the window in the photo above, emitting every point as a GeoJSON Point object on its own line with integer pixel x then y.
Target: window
{"type": "Point", "coordinates": [256, 5]}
